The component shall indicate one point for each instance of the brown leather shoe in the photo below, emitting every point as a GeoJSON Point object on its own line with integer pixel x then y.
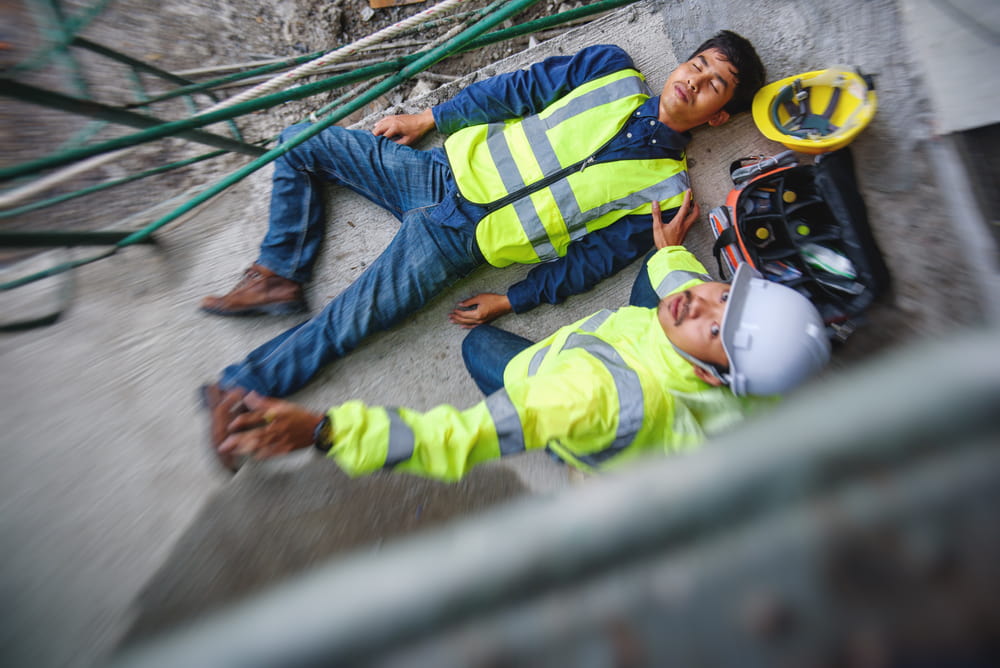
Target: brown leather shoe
{"type": "Point", "coordinates": [222, 407]}
{"type": "Point", "coordinates": [259, 292]}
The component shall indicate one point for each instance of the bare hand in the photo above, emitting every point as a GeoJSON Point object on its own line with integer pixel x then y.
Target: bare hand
{"type": "Point", "coordinates": [272, 427]}
{"type": "Point", "coordinates": [673, 233]}
{"type": "Point", "coordinates": [480, 309]}
{"type": "Point", "coordinates": [405, 128]}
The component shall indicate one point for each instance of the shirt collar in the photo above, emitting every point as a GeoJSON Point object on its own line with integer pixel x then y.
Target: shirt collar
{"type": "Point", "coordinates": [663, 135]}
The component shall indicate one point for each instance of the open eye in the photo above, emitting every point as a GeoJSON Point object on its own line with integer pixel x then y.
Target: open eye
{"type": "Point", "coordinates": [725, 297]}
{"type": "Point", "coordinates": [714, 330]}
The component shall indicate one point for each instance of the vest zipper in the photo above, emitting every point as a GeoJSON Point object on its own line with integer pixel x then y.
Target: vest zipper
{"type": "Point", "coordinates": [550, 179]}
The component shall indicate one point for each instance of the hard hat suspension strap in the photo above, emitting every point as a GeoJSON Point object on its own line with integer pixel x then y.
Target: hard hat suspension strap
{"type": "Point", "coordinates": [710, 368]}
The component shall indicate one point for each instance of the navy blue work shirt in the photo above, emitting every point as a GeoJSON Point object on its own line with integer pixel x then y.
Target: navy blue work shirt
{"type": "Point", "coordinates": [603, 252]}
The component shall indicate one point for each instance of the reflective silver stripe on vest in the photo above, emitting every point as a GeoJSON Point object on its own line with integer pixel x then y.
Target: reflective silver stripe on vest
{"type": "Point", "coordinates": [668, 188]}
{"type": "Point", "coordinates": [576, 220]}
{"type": "Point", "coordinates": [507, 423]}
{"type": "Point", "coordinates": [631, 412]}
{"type": "Point", "coordinates": [538, 237]}
{"type": "Point", "coordinates": [400, 439]}
{"type": "Point", "coordinates": [510, 175]}
{"type": "Point", "coordinates": [610, 92]}
{"type": "Point", "coordinates": [534, 129]}
{"type": "Point", "coordinates": [676, 279]}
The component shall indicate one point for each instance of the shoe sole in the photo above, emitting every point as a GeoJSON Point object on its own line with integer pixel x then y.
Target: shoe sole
{"type": "Point", "coordinates": [285, 308]}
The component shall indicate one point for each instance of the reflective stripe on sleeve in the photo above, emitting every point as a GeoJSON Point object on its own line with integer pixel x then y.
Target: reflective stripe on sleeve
{"type": "Point", "coordinates": [506, 421]}
{"type": "Point", "coordinates": [631, 410]}
{"type": "Point", "coordinates": [400, 439]}
{"type": "Point", "coordinates": [591, 324]}
{"type": "Point", "coordinates": [675, 279]}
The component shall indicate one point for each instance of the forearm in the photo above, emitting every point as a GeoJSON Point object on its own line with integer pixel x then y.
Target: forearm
{"type": "Point", "coordinates": [445, 443]}
{"type": "Point", "coordinates": [442, 443]}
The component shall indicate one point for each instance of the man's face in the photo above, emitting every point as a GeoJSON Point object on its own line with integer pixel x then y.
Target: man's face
{"type": "Point", "coordinates": [692, 320]}
{"type": "Point", "coordinates": [697, 90]}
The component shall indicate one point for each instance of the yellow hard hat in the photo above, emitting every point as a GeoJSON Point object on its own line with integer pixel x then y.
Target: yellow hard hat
{"type": "Point", "coordinates": [817, 111]}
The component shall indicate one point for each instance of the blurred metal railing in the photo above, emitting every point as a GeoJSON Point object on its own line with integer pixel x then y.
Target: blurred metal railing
{"type": "Point", "coordinates": [472, 36]}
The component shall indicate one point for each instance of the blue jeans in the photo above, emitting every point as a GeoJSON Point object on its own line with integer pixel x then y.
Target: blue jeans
{"type": "Point", "coordinates": [486, 351]}
{"type": "Point", "coordinates": [423, 258]}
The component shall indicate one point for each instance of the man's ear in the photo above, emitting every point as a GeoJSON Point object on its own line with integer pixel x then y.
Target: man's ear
{"type": "Point", "coordinates": [706, 376]}
{"type": "Point", "coordinates": [720, 117]}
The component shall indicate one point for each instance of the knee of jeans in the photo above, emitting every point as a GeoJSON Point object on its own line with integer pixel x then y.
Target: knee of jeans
{"type": "Point", "coordinates": [297, 156]}
{"type": "Point", "coordinates": [293, 130]}
{"type": "Point", "coordinates": [471, 342]}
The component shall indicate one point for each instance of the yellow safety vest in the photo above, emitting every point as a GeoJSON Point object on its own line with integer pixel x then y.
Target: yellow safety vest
{"type": "Point", "coordinates": [599, 392]}
{"type": "Point", "coordinates": [535, 175]}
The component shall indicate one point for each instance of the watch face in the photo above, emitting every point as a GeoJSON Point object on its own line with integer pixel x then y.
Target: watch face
{"type": "Point", "coordinates": [321, 437]}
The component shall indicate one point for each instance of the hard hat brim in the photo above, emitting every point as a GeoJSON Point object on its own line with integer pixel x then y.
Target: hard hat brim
{"type": "Point", "coordinates": [739, 289]}
{"type": "Point", "coordinates": [864, 100]}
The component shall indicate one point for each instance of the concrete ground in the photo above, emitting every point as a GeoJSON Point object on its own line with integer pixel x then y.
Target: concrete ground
{"type": "Point", "coordinates": [115, 519]}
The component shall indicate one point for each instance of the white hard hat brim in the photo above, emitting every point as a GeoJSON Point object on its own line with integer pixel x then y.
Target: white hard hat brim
{"type": "Point", "coordinates": [739, 290]}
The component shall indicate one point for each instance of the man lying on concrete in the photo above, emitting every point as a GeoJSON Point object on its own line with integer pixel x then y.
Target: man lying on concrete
{"type": "Point", "coordinates": [556, 164]}
{"type": "Point", "coordinates": [597, 393]}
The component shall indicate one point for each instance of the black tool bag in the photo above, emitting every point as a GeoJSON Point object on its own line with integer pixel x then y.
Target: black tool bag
{"type": "Point", "coordinates": [805, 226]}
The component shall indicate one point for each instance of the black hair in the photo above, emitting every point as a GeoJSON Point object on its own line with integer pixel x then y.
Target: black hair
{"type": "Point", "coordinates": [750, 72]}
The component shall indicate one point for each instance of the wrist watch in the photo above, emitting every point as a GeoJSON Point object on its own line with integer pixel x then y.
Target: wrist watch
{"type": "Point", "coordinates": [321, 435]}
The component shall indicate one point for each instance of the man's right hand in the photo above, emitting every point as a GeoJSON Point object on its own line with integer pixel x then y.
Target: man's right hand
{"type": "Point", "coordinates": [480, 309]}
{"type": "Point", "coordinates": [673, 233]}
{"type": "Point", "coordinates": [405, 128]}
{"type": "Point", "coordinates": [271, 427]}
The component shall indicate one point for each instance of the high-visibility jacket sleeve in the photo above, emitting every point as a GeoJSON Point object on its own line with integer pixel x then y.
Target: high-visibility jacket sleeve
{"type": "Point", "coordinates": [575, 404]}
{"type": "Point", "coordinates": [525, 92]}
{"type": "Point", "coordinates": [674, 268]}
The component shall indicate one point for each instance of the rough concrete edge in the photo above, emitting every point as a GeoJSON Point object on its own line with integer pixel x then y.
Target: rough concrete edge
{"type": "Point", "coordinates": [969, 223]}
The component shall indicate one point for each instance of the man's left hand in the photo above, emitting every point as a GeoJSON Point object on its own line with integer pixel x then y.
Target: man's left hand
{"type": "Point", "coordinates": [673, 233]}
{"type": "Point", "coordinates": [272, 427]}
{"type": "Point", "coordinates": [405, 129]}
{"type": "Point", "coordinates": [480, 309]}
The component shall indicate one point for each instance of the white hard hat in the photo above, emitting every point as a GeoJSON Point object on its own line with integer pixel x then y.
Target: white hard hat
{"type": "Point", "coordinates": [773, 336]}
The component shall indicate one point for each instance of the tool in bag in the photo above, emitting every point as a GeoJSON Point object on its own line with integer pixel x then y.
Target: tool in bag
{"type": "Point", "coordinates": [805, 226]}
